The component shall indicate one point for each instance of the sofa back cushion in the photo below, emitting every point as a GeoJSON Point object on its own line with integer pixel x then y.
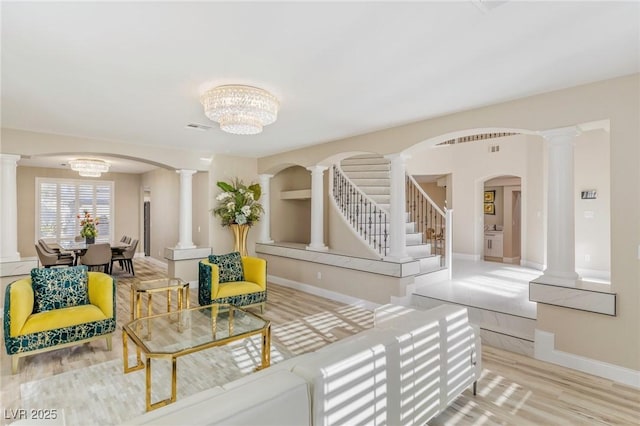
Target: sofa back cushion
{"type": "Point", "coordinates": [59, 288]}
{"type": "Point", "coordinates": [230, 266]}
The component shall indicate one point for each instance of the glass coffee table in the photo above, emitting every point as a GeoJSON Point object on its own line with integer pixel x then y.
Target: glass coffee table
{"type": "Point", "coordinates": [173, 334]}
{"type": "Point", "coordinates": [161, 285]}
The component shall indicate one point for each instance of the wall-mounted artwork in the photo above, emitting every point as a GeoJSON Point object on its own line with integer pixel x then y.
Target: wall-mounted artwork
{"type": "Point", "coordinates": [489, 208]}
{"type": "Point", "coordinates": [489, 197]}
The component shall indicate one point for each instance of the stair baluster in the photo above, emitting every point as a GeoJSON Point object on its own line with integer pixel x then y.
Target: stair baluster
{"type": "Point", "coordinates": [369, 220]}
{"type": "Point", "coordinates": [429, 218]}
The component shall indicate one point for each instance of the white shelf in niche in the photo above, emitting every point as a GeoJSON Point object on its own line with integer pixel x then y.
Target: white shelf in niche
{"type": "Point", "coordinates": [299, 194]}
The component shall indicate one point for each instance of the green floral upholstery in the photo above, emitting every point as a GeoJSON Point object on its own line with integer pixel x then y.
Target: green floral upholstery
{"type": "Point", "coordinates": [59, 288]}
{"type": "Point", "coordinates": [27, 332]}
{"type": "Point", "coordinates": [230, 266]}
{"type": "Point", "coordinates": [252, 290]}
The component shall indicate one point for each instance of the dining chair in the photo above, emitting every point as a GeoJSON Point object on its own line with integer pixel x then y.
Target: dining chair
{"type": "Point", "coordinates": [48, 259]}
{"type": "Point", "coordinates": [126, 258]}
{"type": "Point", "coordinates": [98, 256]}
{"type": "Point", "coordinates": [52, 250]}
{"type": "Point", "coordinates": [123, 239]}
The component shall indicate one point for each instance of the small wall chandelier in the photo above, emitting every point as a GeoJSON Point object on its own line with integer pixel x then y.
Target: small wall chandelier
{"type": "Point", "coordinates": [241, 110]}
{"type": "Point", "coordinates": [88, 167]}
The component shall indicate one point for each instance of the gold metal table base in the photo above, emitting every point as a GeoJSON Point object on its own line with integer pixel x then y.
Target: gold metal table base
{"type": "Point", "coordinates": [265, 333]}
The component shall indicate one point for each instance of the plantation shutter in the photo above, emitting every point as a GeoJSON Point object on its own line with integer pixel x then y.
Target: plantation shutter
{"type": "Point", "coordinates": [60, 201]}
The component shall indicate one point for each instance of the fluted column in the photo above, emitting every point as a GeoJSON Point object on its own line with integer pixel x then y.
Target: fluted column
{"type": "Point", "coordinates": [561, 252]}
{"type": "Point", "coordinates": [317, 208]}
{"type": "Point", "coordinates": [265, 200]}
{"type": "Point", "coordinates": [397, 211]}
{"type": "Point", "coordinates": [186, 209]}
{"type": "Point", "coordinates": [9, 208]}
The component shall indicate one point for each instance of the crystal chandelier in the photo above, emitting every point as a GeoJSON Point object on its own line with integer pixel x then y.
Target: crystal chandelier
{"type": "Point", "coordinates": [241, 110]}
{"type": "Point", "coordinates": [89, 168]}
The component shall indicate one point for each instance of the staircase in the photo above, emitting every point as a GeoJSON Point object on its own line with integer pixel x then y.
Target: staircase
{"type": "Point", "coordinates": [367, 207]}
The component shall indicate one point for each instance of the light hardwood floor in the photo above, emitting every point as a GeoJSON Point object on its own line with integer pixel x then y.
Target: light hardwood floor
{"type": "Point", "coordinates": [513, 390]}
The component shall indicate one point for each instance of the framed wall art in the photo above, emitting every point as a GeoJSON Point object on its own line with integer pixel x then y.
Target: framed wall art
{"type": "Point", "coordinates": [489, 208]}
{"type": "Point", "coordinates": [489, 197]}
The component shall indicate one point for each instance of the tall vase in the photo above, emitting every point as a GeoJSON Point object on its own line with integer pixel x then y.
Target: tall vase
{"type": "Point", "coordinates": [240, 238]}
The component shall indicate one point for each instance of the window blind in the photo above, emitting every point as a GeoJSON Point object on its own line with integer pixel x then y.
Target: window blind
{"type": "Point", "coordinates": [60, 201]}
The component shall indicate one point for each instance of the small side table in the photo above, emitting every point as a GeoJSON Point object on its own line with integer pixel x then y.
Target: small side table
{"type": "Point", "coordinates": [158, 286]}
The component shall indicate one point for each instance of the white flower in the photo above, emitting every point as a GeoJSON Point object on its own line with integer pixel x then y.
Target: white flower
{"type": "Point", "coordinates": [250, 195]}
{"type": "Point", "coordinates": [223, 196]}
{"type": "Point", "coordinates": [246, 210]}
{"type": "Point", "coordinates": [231, 206]}
{"type": "Point", "coordinates": [241, 219]}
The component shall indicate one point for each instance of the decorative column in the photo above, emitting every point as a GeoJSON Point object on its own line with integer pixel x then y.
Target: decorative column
{"type": "Point", "coordinates": [265, 200]}
{"type": "Point", "coordinates": [9, 208]}
{"type": "Point", "coordinates": [561, 252]}
{"type": "Point", "coordinates": [398, 211]}
{"type": "Point", "coordinates": [186, 206]}
{"type": "Point", "coordinates": [317, 208]}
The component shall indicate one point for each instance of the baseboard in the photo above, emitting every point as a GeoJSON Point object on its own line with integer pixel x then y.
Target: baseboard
{"type": "Point", "coordinates": [545, 351]}
{"type": "Point", "coordinates": [327, 294]}
{"type": "Point", "coordinates": [594, 273]}
{"type": "Point", "coordinates": [532, 265]}
{"type": "Point", "coordinates": [464, 256]}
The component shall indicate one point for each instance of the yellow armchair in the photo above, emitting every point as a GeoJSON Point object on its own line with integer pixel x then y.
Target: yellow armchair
{"type": "Point", "coordinates": [27, 333]}
{"type": "Point", "coordinates": [249, 292]}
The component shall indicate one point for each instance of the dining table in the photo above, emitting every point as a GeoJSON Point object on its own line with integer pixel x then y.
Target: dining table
{"type": "Point", "coordinates": [79, 248]}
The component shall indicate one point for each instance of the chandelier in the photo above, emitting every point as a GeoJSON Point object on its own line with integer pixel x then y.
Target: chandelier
{"type": "Point", "coordinates": [241, 110]}
{"type": "Point", "coordinates": [89, 168]}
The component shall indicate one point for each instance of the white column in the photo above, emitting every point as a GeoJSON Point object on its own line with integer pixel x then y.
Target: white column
{"type": "Point", "coordinates": [317, 208]}
{"type": "Point", "coordinates": [561, 252]}
{"type": "Point", "coordinates": [265, 229]}
{"type": "Point", "coordinates": [398, 210]}
{"type": "Point", "coordinates": [9, 208]}
{"type": "Point", "coordinates": [186, 207]}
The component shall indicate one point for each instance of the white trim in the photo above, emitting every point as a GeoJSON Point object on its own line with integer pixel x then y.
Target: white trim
{"type": "Point", "coordinates": [328, 294]}
{"type": "Point", "coordinates": [532, 265]}
{"type": "Point", "coordinates": [464, 256]}
{"type": "Point", "coordinates": [545, 351]}
{"type": "Point", "coordinates": [597, 274]}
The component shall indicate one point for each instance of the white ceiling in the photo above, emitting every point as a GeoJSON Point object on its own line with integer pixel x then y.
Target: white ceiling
{"type": "Point", "coordinates": [133, 72]}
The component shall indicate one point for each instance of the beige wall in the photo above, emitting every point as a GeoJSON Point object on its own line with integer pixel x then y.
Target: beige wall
{"type": "Point", "coordinates": [126, 203]}
{"type": "Point", "coordinates": [290, 219]}
{"type": "Point", "coordinates": [614, 340]}
{"type": "Point", "coordinates": [438, 194]}
{"type": "Point", "coordinates": [201, 213]}
{"type": "Point", "coordinates": [373, 287]}
{"type": "Point", "coordinates": [164, 191]}
{"type": "Point", "coordinates": [593, 217]}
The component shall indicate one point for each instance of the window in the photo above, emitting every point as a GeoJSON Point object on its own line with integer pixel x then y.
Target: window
{"type": "Point", "coordinates": [60, 201]}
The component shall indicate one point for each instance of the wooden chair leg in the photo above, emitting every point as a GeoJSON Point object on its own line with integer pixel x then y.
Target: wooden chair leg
{"type": "Point", "coordinates": [109, 343]}
{"type": "Point", "coordinates": [15, 359]}
{"type": "Point", "coordinates": [132, 270]}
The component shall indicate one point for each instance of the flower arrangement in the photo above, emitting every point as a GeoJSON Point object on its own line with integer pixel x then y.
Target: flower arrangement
{"type": "Point", "coordinates": [238, 203]}
{"type": "Point", "coordinates": [89, 225]}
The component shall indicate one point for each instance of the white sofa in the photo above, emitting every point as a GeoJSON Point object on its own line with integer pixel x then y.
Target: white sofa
{"type": "Point", "coordinates": [404, 371]}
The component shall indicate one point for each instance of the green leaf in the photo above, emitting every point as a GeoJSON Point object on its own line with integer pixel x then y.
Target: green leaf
{"type": "Point", "coordinates": [257, 191]}
{"type": "Point", "coordinates": [225, 186]}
